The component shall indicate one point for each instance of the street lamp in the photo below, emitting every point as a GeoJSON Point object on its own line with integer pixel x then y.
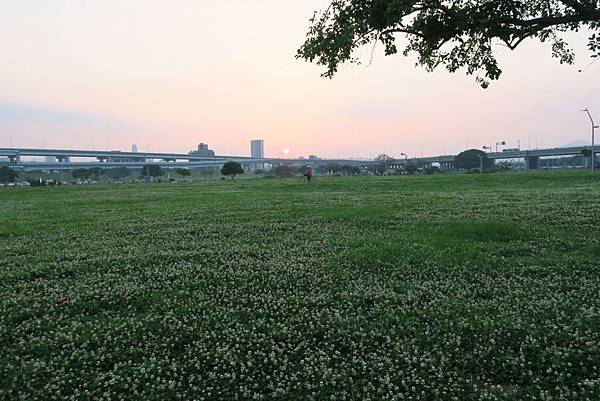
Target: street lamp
{"type": "Point", "coordinates": [529, 140]}
{"type": "Point", "coordinates": [589, 65]}
{"type": "Point", "coordinates": [500, 143]}
{"type": "Point", "coordinates": [594, 126]}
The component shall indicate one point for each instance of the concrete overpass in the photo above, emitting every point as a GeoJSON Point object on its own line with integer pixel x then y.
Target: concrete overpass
{"type": "Point", "coordinates": [109, 155]}
{"type": "Point", "coordinates": [531, 157]}
{"type": "Point", "coordinates": [113, 159]}
{"type": "Point", "coordinates": [62, 159]}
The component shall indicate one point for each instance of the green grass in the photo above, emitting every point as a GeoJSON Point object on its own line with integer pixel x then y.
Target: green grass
{"type": "Point", "coordinates": [466, 287]}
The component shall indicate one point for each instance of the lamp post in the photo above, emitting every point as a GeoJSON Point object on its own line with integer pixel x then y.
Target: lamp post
{"type": "Point", "coordinates": [594, 126]}
{"type": "Point", "coordinates": [529, 140]}
{"type": "Point", "coordinates": [405, 159]}
{"type": "Point", "coordinates": [500, 143]}
{"type": "Point", "coordinates": [589, 65]}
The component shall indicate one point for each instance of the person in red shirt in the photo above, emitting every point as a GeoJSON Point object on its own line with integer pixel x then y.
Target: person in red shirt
{"type": "Point", "coordinates": [308, 174]}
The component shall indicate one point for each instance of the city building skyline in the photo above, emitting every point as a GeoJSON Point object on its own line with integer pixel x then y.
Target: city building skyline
{"type": "Point", "coordinates": [203, 150]}
{"type": "Point", "coordinates": [257, 148]}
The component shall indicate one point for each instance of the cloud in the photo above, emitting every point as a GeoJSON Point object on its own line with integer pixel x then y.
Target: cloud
{"type": "Point", "coordinates": [15, 113]}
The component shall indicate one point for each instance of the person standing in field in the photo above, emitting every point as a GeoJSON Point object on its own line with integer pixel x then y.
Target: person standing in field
{"type": "Point", "coordinates": [308, 174]}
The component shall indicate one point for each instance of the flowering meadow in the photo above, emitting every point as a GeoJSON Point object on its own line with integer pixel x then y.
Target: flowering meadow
{"type": "Point", "coordinates": [444, 287]}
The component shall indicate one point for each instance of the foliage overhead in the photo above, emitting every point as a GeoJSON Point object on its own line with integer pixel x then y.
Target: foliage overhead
{"type": "Point", "coordinates": [458, 34]}
{"type": "Point", "coordinates": [232, 169]}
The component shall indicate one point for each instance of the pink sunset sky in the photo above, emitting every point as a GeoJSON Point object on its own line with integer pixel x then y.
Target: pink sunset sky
{"type": "Point", "coordinates": [167, 75]}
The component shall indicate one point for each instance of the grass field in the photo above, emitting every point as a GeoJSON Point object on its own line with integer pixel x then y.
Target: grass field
{"type": "Point", "coordinates": [446, 287]}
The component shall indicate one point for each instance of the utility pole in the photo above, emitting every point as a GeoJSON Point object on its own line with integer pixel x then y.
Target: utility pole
{"type": "Point", "coordinates": [594, 126]}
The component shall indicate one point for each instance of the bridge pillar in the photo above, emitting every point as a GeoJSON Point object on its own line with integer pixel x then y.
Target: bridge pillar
{"type": "Point", "coordinates": [16, 159]}
{"type": "Point", "coordinates": [446, 166]}
{"type": "Point", "coordinates": [589, 160]}
{"type": "Point", "coordinates": [63, 159]}
{"type": "Point", "coordinates": [532, 162]}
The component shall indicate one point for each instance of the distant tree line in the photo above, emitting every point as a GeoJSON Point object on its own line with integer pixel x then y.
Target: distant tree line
{"type": "Point", "coordinates": [97, 172]}
{"type": "Point", "coordinates": [151, 170]}
{"type": "Point", "coordinates": [87, 173]}
{"type": "Point", "coordinates": [338, 169]}
{"type": "Point", "coordinates": [7, 175]}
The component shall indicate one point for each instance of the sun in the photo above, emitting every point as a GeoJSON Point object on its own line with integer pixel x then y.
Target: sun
{"type": "Point", "coordinates": [286, 151]}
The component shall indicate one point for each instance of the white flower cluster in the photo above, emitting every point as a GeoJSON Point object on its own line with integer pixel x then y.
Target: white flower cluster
{"type": "Point", "coordinates": [427, 288]}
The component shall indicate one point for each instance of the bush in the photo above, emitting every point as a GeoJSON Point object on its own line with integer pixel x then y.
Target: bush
{"type": "Point", "coordinates": [151, 170]}
{"type": "Point", "coordinates": [472, 159]}
{"type": "Point", "coordinates": [432, 170]}
{"type": "Point", "coordinates": [183, 172]}
{"type": "Point", "coordinates": [37, 182]}
{"type": "Point", "coordinates": [232, 169]}
{"type": "Point", "coordinates": [283, 172]}
{"type": "Point", "coordinates": [410, 168]}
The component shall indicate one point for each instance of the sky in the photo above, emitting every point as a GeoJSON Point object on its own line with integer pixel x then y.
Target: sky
{"type": "Point", "coordinates": [169, 74]}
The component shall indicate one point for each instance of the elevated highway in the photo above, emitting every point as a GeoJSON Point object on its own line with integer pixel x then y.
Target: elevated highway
{"type": "Point", "coordinates": [531, 157]}
{"type": "Point", "coordinates": [62, 158]}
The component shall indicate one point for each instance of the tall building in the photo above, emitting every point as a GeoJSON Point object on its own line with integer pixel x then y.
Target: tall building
{"type": "Point", "coordinates": [203, 150]}
{"type": "Point", "coordinates": [257, 148]}
{"type": "Point", "coordinates": [134, 148]}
